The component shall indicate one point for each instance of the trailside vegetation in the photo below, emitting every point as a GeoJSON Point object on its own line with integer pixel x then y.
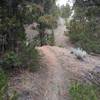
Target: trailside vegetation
{"type": "Point", "coordinates": [85, 26]}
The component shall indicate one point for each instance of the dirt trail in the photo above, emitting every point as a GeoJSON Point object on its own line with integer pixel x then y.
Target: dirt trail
{"type": "Point", "coordinates": [56, 86]}
{"type": "Point", "coordinates": [60, 33]}
{"type": "Point", "coordinates": [53, 80]}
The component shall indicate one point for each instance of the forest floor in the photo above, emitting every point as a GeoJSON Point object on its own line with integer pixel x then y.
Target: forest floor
{"type": "Point", "coordinates": [59, 68]}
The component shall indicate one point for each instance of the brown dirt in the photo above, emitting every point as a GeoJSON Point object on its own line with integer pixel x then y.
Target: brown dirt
{"type": "Point", "coordinates": [61, 35]}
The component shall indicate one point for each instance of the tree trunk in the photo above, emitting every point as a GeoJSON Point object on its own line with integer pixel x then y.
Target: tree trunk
{"type": "Point", "coordinates": [41, 38]}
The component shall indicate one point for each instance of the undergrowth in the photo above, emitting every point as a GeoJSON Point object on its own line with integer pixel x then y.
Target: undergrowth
{"type": "Point", "coordinates": [80, 91]}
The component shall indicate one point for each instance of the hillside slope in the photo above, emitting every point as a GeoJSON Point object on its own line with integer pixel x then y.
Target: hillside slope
{"type": "Point", "coordinates": [58, 68]}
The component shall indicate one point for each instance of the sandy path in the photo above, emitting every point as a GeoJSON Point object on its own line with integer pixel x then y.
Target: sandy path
{"type": "Point", "coordinates": [57, 85]}
{"type": "Point", "coordinates": [59, 33]}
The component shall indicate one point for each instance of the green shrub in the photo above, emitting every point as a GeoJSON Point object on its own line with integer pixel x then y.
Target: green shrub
{"type": "Point", "coordinates": [47, 39]}
{"type": "Point", "coordinates": [36, 41]}
{"type": "Point", "coordinates": [82, 35]}
{"type": "Point", "coordinates": [4, 88]}
{"type": "Point", "coordinates": [46, 21]}
{"type": "Point", "coordinates": [50, 39]}
{"type": "Point", "coordinates": [10, 61]}
{"type": "Point", "coordinates": [29, 57]}
{"type": "Point", "coordinates": [79, 91]}
{"type": "Point", "coordinates": [3, 85]}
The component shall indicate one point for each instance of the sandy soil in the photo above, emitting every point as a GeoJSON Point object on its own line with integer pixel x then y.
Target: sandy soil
{"type": "Point", "coordinates": [61, 35]}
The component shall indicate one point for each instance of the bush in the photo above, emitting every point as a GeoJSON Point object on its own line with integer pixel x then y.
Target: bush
{"type": "Point", "coordinates": [47, 21]}
{"type": "Point", "coordinates": [82, 34]}
{"type": "Point", "coordinates": [29, 57]}
{"type": "Point", "coordinates": [3, 85]}
{"type": "Point", "coordinates": [50, 39]}
{"type": "Point", "coordinates": [4, 88]}
{"type": "Point", "coordinates": [26, 57]}
{"type": "Point", "coordinates": [10, 61]}
{"type": "Point", "coordinates": [80, 91]}
{"type": "Point", "coordinates": [47, 39]}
